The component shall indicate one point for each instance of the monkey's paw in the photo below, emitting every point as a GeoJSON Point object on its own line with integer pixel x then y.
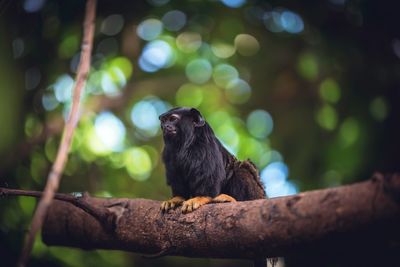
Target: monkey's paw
{"type": "Point", "coordinates": [222, 198]}
{"type": "Point", "coordinates": [194, 203]}
{"type": "Point", "coordinates": [172, 203]}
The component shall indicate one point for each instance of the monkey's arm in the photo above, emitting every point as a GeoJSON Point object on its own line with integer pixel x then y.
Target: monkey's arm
{"type": "Point", "coordinates": [207, 190]}
{"type": "Point", "coordinates": [196, 202]}
{"type": "Point", "coordinates": [222, 198]}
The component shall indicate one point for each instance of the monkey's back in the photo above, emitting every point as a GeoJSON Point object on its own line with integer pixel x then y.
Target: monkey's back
{"type": "Point", "coordinates": [243, 180]}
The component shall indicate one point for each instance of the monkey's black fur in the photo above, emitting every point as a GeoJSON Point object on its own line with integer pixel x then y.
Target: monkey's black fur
{"type": "Point", "coordinates": [198, 165]}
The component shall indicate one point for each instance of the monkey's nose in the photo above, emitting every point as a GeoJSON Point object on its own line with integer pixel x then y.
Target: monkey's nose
{"type": "Point", "coordinates": [169, 129]}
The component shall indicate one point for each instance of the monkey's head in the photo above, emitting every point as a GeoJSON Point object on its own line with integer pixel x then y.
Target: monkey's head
{"type": "Point", "coordinates": [179, 125]}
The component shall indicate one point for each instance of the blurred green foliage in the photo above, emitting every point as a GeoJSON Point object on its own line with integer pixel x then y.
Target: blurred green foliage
{"type": "Point", "coordinates": [308, 91]}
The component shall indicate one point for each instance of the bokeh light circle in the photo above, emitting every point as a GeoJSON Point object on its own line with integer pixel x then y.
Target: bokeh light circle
{"type": "Point", "coordinates": [49, 101]}
{"type": "Point", "coordinates": [280, 20]}
{"type": "Point", "coordinates": [349, 132]}
{"type": "Point", "coordinates": [272, 21]}
{"type": "Point", "coordinates": [229, 137]}
{"type": "Point", "coordinates": [138, 163]}
{"type": "Point", "coordinates": [188, 42]}
{"type": "Point", "coordinates": [156, 55]}
{"type": "Point", "coordinates": [110, 130]}
{"type": "Point", "coordinates": [174, 20]}
{"type": "Point", "coordinates": [149, 29]}
{"type": "Point", "coordinates": [379, 108]}
{"type": "Point", "coordinates": [144, 115]}
{"type": "Point", "coordinates": [238, 91]}
{"type": "Point", "coordinates": [274, 177]}
{"type": "Point", "coordinates": [189, 95]}
{"type": "Point", "coordinates": [329, 90]}
{"type": "Point", "coordinates": [222, 50]}
{"type": "Point", "coordinates": [233, 3]}
{"type": "Point", "coordinates": [124, 65]}
{"type": "Point", "coordinates": [32, 6]}
{"type": "Point", "coordinates": [291, 22]}
{"type": "Point", "coordinates": [112, 25]}
{"type": "Point", "coordinates": [110, 88]}
{"type": "Point", "coordinates": [246, 44]}
{"type": "Point", "coordinates": [63, 88]}
{"type": "Point", "coordinates": [259, 123]}
{"type": "Point", "coordinates": [199, 71]}
{"type": "Point", "coordinates": [223, 74]}
{"type": "Point", "coordinates": [327, 117]}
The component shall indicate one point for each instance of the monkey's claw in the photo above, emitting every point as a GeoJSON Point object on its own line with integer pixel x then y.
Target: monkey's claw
{"type": "Point", "coordinates": [194, 203]}
{"type": "Point", "coordinates": [223, 198]}
{"type": "Point", "coordinates": [172, 203]}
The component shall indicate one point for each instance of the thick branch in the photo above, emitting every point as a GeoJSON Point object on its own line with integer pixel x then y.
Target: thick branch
{"type": "Point", "coordinates": [340, 220]}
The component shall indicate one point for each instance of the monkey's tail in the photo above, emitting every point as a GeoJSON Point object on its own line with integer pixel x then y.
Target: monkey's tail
{"type": "Point", "coordinates": [263, 262]}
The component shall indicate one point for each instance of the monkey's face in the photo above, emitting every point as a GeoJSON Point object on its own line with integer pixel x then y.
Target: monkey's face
{"type": "Point", "coordinates": [170, 124]}
{"type": "Point", "coordinates": [179, 124]}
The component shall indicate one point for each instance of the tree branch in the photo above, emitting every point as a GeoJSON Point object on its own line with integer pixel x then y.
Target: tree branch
{"type": "Point", "coordinates": [360, 218]}
{"type": "Point", "coordinates": [54, 177]}
{"type": "Point", "coordinates": [79, 200]}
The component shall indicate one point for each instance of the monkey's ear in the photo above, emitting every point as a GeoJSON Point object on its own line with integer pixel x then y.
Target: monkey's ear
{"type": "Point", "coordinates": [198, 120]}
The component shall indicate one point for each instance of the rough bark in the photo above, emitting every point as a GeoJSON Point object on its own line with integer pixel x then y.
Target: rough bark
{"type": "Point", "coordinates": [362, 217]}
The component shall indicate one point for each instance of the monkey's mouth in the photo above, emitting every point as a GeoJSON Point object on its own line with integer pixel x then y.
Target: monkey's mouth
{"type": "Point", "coordinates": [170, 132]}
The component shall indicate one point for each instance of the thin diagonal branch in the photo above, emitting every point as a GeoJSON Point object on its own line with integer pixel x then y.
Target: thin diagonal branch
{"type": "Point", "coordinates": [54, 176]}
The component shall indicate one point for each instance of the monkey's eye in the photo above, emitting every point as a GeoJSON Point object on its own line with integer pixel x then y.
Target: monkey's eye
{"type": "Point", "coordinates": [172, 118]}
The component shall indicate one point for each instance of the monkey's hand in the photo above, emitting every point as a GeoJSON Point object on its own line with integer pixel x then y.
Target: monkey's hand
{"type": "Point", "coordinates": [172, 203]}
{"type": "Point", "coordinates": [195, 203]}
{"type": "Point", "coordinates": [223, 198]}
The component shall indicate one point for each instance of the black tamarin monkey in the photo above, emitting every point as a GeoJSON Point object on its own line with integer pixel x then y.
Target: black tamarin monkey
{"type": "Point", "coordinates": [198, 168]}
